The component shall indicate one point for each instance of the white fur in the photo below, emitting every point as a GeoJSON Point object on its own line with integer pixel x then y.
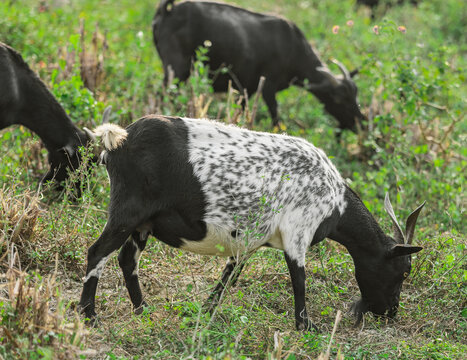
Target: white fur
{"type": "Point", "coordinates": [97, 271]}
{"type": "Point", "coordinates": [219, 241]}
{"type": "Point", "coordinates": [277, 189]}
{"type": "Point", "coordinates": [112, 135]}
{"type": "Point", "coordinates": [136, 258]}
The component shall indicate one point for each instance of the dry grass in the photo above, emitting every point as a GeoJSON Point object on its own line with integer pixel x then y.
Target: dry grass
{"type": "Point", "coordinates": [33, 311]}
{"type": "Point", "coordinates": [256, 316]}
{"type": "Point", "coordinates": [18, 214]}
{"type": "Point", "coordinates": [36, 319]}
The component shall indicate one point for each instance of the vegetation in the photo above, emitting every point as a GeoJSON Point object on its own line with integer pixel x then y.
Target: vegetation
{"type": "Point", "coordinates": [412, 84]}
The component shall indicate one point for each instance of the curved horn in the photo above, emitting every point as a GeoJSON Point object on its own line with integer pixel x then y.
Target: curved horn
{"type": "Point", "coordinates": [106, 116]}
{"type": "Point", "coordinates": [398, 234]}
{"type": "Point", "coordinates": [90, 134]}
{"type": "Point", "coordinates": [411, 222]}
{"type": "Point", "coordinates": [343, 69]}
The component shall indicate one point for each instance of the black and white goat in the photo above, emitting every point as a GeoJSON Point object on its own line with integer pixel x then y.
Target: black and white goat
{"type": "Point", "coordinates": [25, 100]}
{"type": "Point", "coordinates": [215, 189]}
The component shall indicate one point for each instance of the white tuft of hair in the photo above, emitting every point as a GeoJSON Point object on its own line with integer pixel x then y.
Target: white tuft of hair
{"type": "Point", "coordinates": [112, 135]}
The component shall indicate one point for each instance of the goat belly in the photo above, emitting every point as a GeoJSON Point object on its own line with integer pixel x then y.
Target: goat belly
{"type": "Point", "coordinates": [218, 241]}
{"type": "Point", "coordinates": [221, 242]}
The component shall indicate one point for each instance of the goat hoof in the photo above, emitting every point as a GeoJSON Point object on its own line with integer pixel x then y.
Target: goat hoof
{"type": "Point", "coordinates": [139, 310]}
{"type": "Point", "coordinates": [307, 325]}
{"type": "Point", "coordinates": [90, 316]}
{"type": "Point", "coordinates": [91, 321]}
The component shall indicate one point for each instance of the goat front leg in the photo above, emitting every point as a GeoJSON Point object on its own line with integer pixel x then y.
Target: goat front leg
{"type": "Point", "coordinates": [109, 241]}
{"type": "Point", "coordinates": [297, 275]}
{"type": "Point", "coordinates": [231, 272]}
{"type": "Point", "coordinates": [128, 259]}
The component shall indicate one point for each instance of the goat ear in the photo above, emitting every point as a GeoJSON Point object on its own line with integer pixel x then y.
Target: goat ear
{"type": "Point", "coordinates": [69, 149]}
{"type": "Point", "coordinates": [398, 234]}
{"type": "Point", "coordinates": [354, 72]}
{"type": "Point", "coordinates": [403, 249]}
{"type": "Point", "coordinates": [411, 222]}
{"type": "Point", "coordinates": [106, 115]}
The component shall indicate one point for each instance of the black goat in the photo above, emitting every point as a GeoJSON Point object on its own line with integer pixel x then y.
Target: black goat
{"type": "Point", "coordinates": [374, 3]}
{"type": "Point", "coordinates": [251, 45]}
{"type": "Point", "coordinates": [222, 190]}
{"type": "Point", "coordinates": [25, 100]}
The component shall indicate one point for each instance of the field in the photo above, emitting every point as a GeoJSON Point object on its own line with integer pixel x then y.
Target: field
{"type": "Point", "coordinates": [412, 85]}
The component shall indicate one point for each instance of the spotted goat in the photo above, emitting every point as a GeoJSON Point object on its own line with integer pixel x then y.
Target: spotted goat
{"type": "Point", "coordinates": [25, 100]}
{"type": "Point", "coordinates": [215, 189]}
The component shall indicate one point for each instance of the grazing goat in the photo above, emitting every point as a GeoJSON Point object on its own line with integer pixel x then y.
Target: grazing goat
{"type": "Point", "coordinates": [221, 190]}
{"type": "Point", "coordinates": [25, 100]}
{"type": "Point", "coordinates": [251, 45]}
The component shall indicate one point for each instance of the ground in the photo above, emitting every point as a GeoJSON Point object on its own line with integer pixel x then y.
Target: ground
{"type": "Point", "coordinates": [411, 86]}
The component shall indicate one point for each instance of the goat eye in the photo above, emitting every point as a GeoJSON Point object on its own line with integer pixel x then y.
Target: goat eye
{"type": "Point", "coordinates": [406, 274]}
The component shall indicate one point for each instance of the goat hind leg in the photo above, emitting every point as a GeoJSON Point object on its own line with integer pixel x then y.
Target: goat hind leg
{"type": "Point", "coordinates": [109, 241]}
{"type": "Point", "coordinates": [128, 259]}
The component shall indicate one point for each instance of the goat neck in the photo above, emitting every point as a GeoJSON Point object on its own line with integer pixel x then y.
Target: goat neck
{"type": "Point", "coordinates": [27, 101]}
{"type": "Point", "coordinates": [43, 115]}
{"type": "Point", "coordinates": [359, 232]}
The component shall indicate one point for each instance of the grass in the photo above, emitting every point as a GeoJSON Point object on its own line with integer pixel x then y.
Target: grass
{"type": "Point", "coordinates": [412, 84]}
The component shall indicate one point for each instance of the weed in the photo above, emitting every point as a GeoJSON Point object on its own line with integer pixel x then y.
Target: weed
{"type": "Point", "coordinates": [411, 86]}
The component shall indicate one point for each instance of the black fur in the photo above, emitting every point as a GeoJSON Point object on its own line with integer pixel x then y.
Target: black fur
{"type": "Point", "coordinates": [25, 100]}
{"type": "Point", "coordinates": [156, 194]}
{"type": "Point", "coordinates": [378, 275]}
{"type": "Point", "coordinates": [251, 45]}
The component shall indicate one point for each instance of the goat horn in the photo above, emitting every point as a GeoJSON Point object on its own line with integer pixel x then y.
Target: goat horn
{"type": "Point", "coordinates": [106, 116]}
{"type": "Point", "coordinates": [411, 222]}
{"type": "Point", "coordinates": [90, 134]}
{"type": "Point", "coordinates": [398, 234]}
{"type": "Point", "coordinates": [343, 69]}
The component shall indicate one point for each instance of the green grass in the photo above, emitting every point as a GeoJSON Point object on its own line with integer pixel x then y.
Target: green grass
{"type": "Point", "coordinates": [413, 85]}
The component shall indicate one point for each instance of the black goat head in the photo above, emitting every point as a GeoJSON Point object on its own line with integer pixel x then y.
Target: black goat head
{"type": "Point", "coordinates": [338, 93]}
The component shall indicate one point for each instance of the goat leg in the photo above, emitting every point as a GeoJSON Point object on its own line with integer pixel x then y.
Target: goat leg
{"type": "Point", "coordinates": [231, 272]}
{"type": "Point", "coordinates": [297, 275]}
{"type": "Point", "coordinates": [109, 241]}
{"type": "Point", "coordinates": [128, 259]}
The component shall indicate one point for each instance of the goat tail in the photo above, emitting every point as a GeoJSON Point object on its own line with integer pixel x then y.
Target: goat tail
{"type": "Point", "coordinates": [112, 135]}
